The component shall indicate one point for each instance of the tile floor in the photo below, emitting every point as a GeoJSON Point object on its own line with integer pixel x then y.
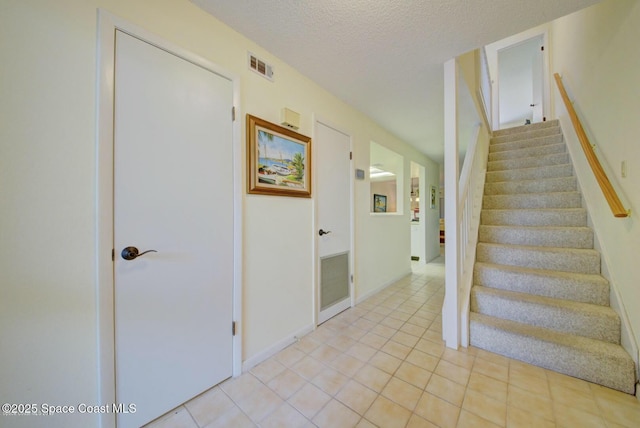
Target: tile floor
{"type": "Point", "coordinates": [383, 364]}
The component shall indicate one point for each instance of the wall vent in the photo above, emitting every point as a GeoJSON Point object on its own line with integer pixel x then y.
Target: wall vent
{"type": "Point", "coordinates": [261, 67]}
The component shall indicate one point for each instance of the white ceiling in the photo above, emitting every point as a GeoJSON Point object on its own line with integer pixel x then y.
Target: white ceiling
{"type": "Point", "coordinates": [384, 57]}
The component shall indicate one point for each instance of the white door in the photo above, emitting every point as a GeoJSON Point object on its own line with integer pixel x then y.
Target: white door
{"type": "Point", "coordinates": [173, 194]}
{"type": "Point", "coordinates": [537, 103]}
{"type": "Point", "coordinates": [520, 80]}
{"type": "Point", "coordinates": [333, 178]}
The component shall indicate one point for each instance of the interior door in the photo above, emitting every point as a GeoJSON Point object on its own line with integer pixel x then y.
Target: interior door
{"type": "Point", "coordinates": [173, 194]}
{"type": "Point", "coordinates": [537, 84]}
{"type": "Point", "coordinates": [333, 172]}
{"type": "Point", "coordinates": [520, 80]}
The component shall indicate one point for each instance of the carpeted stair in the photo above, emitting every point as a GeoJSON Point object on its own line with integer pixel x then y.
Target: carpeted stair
{"type": "Point", "coordinates": [538, 295]}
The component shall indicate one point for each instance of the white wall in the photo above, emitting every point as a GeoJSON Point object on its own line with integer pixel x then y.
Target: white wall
{"type": "Point", "coordinates": [47, 195]}
{"type": "Point", "coordinates": [596, 52]}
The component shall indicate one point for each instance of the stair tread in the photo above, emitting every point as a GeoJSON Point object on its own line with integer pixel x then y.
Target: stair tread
{"type": "Point", "coordinates": [610, 350]}
{"type": "Point", "coordinates": [572, 192]}
{"type": "Point", "coordinates": [527, 134]}
{"type": "Point", "coordinates": [562, 177]}
{"type": "Point", "coordinates": [568, 199]}
{"type": "Point", "coordinates": [525, 128]}
{"type": "Point", "coordinates": [577, 287]}
{"type": "Point", "coordinates": [499, 165]}
{"type": "Point", "coordinates": [525, 158]}
{"type": "Point", "coordinates": [538, 228]}
{"type": "Point", "coordinates": [594, 360]}
{"type": "Point", "coordinates": [536, 180]}
{"type": "Point", "coordinates": [523, 149]}
{"type": "Point", "coordinates": [547, 272]}
{"type": "Point", "coordinates": [535, 209]}
{"type": "Point", "coordinates": [529, 169]}
{"type": "Point", "coordinates": [496, 147]}
{"type": "Point", "coordinates": [570, 217]}
{"type": "Point", "coordinates": [566, 316]}
{"type": "Point", "coordinates": [596, 310]}
{"type": "Point", "coordinates": [542, 249]}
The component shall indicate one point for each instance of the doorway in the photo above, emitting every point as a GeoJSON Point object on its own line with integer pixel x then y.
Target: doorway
{"type": "Point", "coordinates": [520, 82]}
{"type": "Point", "coordinates": [417, 203]}
{"type": "Point", "coordinates": [531, 97]}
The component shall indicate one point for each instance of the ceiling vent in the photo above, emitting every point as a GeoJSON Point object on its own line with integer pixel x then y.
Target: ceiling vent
{"type": "Point", "coordinates": [261, 67]}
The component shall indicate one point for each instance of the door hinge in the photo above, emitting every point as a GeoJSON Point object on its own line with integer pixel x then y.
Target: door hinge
{"type": "Point", "coordinates": [113, 255]}
{"type": "Point", "coordinates": [541, 48]}
{"type": "Point", "coordinates": [350, 155]}
{"type": "Point", "coordinates": [233, 328]}
{"type": "Point", "coordinates": [351, 277]}
{"type": "Point", "coordinates": [233, 113]}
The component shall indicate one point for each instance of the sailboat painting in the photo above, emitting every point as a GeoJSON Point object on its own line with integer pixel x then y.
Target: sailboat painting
{"type": "Point", "coordinates": [278, 160]}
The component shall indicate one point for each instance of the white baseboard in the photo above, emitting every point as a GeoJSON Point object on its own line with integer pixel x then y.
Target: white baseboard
{"type": "Point", "coordinates": [365, 296]}
{"type": "Point", "coordinates": [261, 356]}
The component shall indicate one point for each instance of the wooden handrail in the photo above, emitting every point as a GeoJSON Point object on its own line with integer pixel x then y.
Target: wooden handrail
{"type": "Point", "coordinates": [609, 192]}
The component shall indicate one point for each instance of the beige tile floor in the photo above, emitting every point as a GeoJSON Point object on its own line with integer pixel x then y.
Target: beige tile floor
{"type": "Point", "coordinates": [384, 364]}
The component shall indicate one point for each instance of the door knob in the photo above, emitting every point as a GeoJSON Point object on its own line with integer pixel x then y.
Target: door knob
{"type": "Point", "coordinates": [130, 253]}
{"type": "Point", "coordinates": [322, 232]}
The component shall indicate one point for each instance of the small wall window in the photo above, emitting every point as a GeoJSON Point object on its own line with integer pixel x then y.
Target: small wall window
{"type": "Point", "coordinates": [386, 170]}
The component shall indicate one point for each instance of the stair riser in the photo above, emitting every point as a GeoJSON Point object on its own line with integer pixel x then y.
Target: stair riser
{"type": "Point", "coordinates": [595, 368]}
{"type": "Point", "coordinates": [548, 185]}
{"type": "Point", "coordinates": [539, 173]}
{"type": "Point", "coordinates": [528, 152]}
{"type": "Point", "coordinates": [566, 261]}
{"type": "Point", "coordinates": [527, 128]}
{"type": "Point", "coordinates": [576, 322]}
{"type": "Point", "coordinates": [533, 201]}
{"type": "Point", "coordinates": [556, 237]}
{"type": "Point", "coordinates": [523, 144]}
{"type": "Point", "coordinates": [584, 290]}
{"type": "Point", "coordinates": [532, 162]}
{"type": "Point", "coordinates": [545, 132]}
{"type": "Point", "coordinates": [569, 217]}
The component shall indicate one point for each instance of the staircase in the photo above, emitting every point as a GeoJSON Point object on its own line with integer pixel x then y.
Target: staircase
{"type": "Point", "coordinates": [538, 295]}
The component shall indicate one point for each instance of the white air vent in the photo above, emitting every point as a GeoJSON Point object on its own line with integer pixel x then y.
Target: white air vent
{"type": "Point", "coordinates": [259, 66]}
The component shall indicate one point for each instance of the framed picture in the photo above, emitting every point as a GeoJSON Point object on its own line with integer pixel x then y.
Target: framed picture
{"type": "Point", "coordinates": [278, 160]}
{"type": "Point", "coordinates": [432, 198]}
{"type": "Point", "coordinates": [379, 203]}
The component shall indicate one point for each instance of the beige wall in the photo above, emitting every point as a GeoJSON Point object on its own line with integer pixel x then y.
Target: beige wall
{"type": "Point", "coordinates": [47, 188]}
{"type": "Point", "coordinates": [596, 51]}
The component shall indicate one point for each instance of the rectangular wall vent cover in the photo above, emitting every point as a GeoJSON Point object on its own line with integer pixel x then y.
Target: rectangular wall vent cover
{"type": "Point", "coordinates": [261, 67]}
{"type": "Point", "coordinates": [334, 279]}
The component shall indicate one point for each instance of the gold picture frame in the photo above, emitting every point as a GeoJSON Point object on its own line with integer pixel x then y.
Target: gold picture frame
{"type": "Point", "coordinates": [278, 160]}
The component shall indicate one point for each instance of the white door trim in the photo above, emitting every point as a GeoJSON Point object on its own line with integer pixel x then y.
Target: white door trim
{"type": "Point", "coordinates": [107, 25]}
{"type": "Point", "coordinates": [316, 261]}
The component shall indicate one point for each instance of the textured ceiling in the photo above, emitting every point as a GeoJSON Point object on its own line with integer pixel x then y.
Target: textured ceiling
{"type": "Point", "coordinates": [384, 57]}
